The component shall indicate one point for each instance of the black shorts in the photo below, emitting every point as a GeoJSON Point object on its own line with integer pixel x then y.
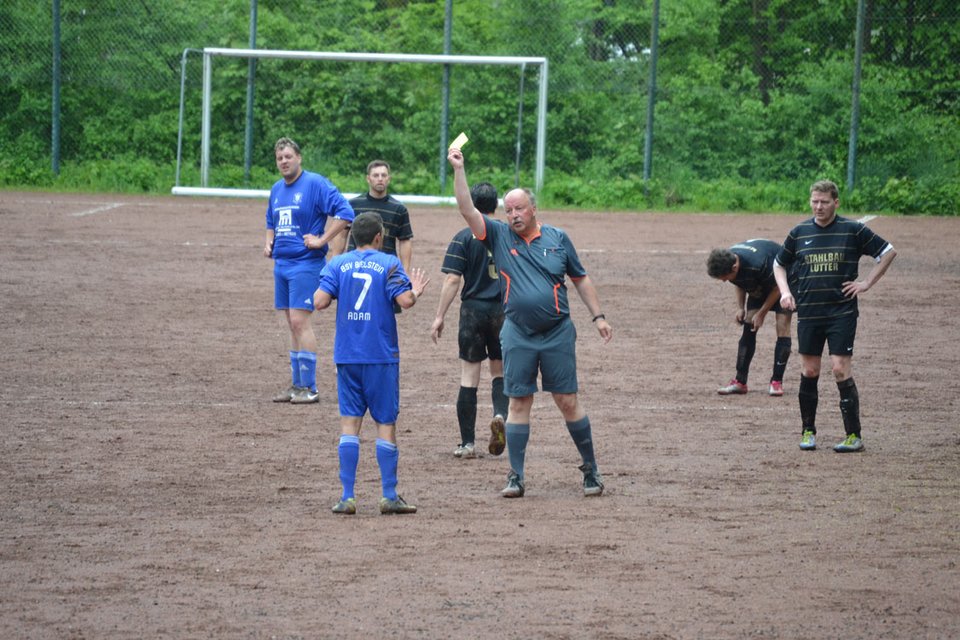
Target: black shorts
{"type": "Point", "coordinates": [838, 334]}
{"type": "Point", "coordinates": [754, 304]}
{"type": "Point", "coordinates": [479, 333]}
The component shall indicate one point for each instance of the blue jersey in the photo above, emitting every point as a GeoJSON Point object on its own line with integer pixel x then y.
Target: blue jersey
{"type": "Point", "coordinates": [532, 275]}
{"type": "Point", "coordinates": [300, 208]}
{"type": "Point", "coordinates": [365, 283]}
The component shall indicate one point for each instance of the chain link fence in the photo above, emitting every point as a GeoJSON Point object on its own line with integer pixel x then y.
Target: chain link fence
{"type": "Point", "coordinates": [749, 95]}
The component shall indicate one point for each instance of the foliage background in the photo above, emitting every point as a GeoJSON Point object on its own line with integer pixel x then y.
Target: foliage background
{"type": "Point", "coordinates": [753, 97]}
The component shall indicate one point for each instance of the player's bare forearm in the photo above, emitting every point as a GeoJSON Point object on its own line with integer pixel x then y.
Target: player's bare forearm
{"type": "Point", "coordinates": [741, 303]}
{"type": "Point", "coordinates": [337, 244]}
{"type": "Point", "coordinates": [405, 252]}
{"type": "Point", "coordinates": [852, 289]}
{"type": "Point", "coordinates": [786, 297]}
{"type": "Point", "coordinates": [772, 298]}
{"type": "Point", "coordinates": [333, 229]}
{"type": "Point", "coordinates": [588, 294]}
{"type": "Point", "coordinates": [448, 291]}
{"type": "Point", "coordinates": [321, 299]}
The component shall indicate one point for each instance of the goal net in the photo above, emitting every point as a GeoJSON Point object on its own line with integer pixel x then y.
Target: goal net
{"type": "Point", "coordinates": [348, 116]}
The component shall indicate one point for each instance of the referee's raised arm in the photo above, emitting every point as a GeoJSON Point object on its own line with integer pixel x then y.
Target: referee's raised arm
{"type": "Point", "coordinates": [461, 189]}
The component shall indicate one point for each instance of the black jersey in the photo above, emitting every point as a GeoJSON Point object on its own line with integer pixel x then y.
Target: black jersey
{"type": "Point", "coordinates": [825, 258]}
{"type": "Point", "coordinates": [755, 274]}
{"type": "Point", "coordinates": [396, 220]}
{"type": "Point", "coordinates": [468, 257]}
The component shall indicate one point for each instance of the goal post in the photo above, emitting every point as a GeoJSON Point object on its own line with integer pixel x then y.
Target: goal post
{"type": "Point", "coordinates": [210, 53]}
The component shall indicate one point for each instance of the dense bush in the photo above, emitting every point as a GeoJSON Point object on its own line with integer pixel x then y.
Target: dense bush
{"type": "Point", "coordinates": [753, 99]}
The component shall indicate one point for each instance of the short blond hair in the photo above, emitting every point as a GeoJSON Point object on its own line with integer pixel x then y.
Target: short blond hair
{"type": "Point", "coordinates": [826, 186]}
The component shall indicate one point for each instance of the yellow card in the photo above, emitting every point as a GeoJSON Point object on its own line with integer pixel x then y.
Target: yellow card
{"type": "Point", "coordinates": [459, 141]}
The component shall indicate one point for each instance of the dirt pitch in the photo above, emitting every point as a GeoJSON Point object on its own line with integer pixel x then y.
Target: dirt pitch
{"type": "Point", "coordinates": [152, 490]}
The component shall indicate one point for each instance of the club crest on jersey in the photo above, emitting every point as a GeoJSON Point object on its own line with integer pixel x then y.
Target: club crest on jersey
{"type": "Point", "coordinates": [297, 198]}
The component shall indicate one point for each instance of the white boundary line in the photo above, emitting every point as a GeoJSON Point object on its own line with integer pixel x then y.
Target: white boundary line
{"type": "Point", "coordinates": [106, 207]}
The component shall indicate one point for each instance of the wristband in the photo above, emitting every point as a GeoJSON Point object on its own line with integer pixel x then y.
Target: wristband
{"type": "Point", "coordinates": [598, 316]}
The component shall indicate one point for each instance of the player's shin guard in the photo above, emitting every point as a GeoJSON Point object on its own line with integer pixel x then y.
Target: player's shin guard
{"type": "Point", "coordinates": [517, 437]}
{"type": "Point", "coordinates": [809, 397]}
{"type": "Point", "coordinates": [781, 354]}
{"type": "Point", "coordinates": [308, 369]}
{"type": "Point", "coordinates": [850, 406]}
{"type": "Point", "coordinates": [349, 454]}
{"type": "Point", "coordinates": [583, 437]}
{"type": "Point", "coordinates": [388, 457]}
{"type": "Point", "coordinates": [501, 404]}
{"type": "Point", "coordinates": [748, 344]}
{"type": "Point", "coordinates": [467, 413]}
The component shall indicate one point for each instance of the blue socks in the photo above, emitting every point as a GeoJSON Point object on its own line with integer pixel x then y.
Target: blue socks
{"type": "Point", "coordinates": [307, 368]}
{"type": "Point", "coordinates": [295, 368]}
{"type": "Point", "coordinates": [517, 437]}
{"type": "Point", "coordinates": [349, 452]}
{"type": "Point", "coordinates": [387, 457]}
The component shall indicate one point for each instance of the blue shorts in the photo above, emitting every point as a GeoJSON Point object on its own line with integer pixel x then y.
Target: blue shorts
{"type": "Point", "coordinates": [552, 354]}
{"type": "Point", "coordinates": [369, 386]}
{"type": "Point", "coordinates": [295, 282]}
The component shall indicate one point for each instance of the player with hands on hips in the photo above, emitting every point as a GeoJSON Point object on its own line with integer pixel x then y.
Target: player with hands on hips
{"type": "Point", "coordinates": [538, 336]}
{"type": "Point", "coordinates": [304, 212]}
{"type": "Point", "coordinates": [366, 282]}
{"type": "Point", "coordinates": [826, 250]}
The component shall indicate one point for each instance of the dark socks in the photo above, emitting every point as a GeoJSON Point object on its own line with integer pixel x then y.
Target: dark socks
{"type": "Point", "coordinates": [808, 402]}
{"type": "Point", "coordinates": [781, 353]}
{"type": "Point", "coordinates": [467, 414]}
{"type": "Point", "coordinates": [517, 437]}
{"type": "Point", "coordinates": [501, 403]}
{"type": "Point", "coordinates": [582, 437]}
{"type": "Point", "coordinates": [748, 344]}
{"type": "Point", "coordinates": [850, 406]}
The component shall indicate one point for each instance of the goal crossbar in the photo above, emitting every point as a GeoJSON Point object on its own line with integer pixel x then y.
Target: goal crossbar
{"type": "Point", "coordinates": [210, 52]}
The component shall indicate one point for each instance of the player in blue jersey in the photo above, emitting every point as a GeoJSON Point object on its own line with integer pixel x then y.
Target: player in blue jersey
{"type": "Point", "coordinates": [827, 250]}
{"type": "Point", "coordinates": [481, 318]}
{"type": "Point", "coordinates": [748, 266]}
{"type": "Point", "coordinates": [538, 336]}
{"type": "Point", "coordinates": [366, 283]}
{"type": "Point", "coordinates": [297, 234]}
{"type": "Point", "coordinates": [301, 203]}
